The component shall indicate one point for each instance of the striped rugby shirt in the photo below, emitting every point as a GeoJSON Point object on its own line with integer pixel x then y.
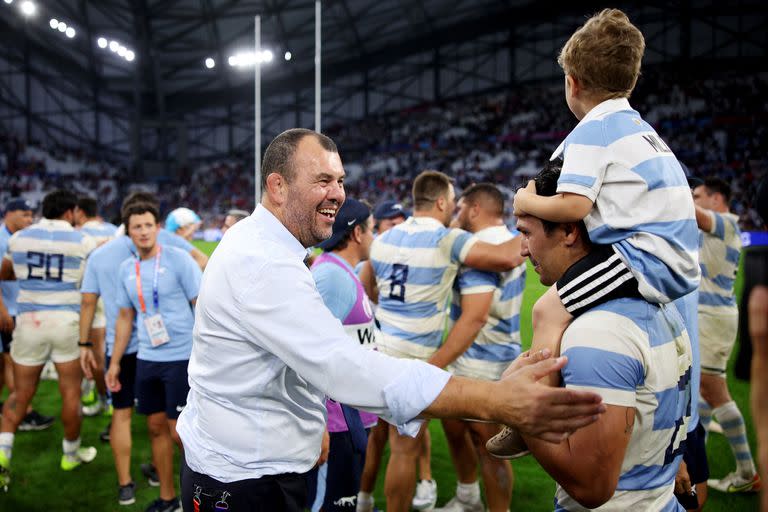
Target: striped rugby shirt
{"type": "Point", "coordinates": [636, 354]}
{"type": "Point", "coordinates": [719, 255]}
{"type": "Point", "coordinates": [415, 264]}
{"type": "Point", "coordinates": [49, 261]}
{"type": "Point", "coordinates": [642, 202]}
{"type": "Point", "coordinates": [498, 342]}
{"type": "Point", "coordinates": [100, 230]}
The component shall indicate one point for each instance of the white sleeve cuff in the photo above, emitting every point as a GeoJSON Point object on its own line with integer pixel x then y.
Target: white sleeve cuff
{"type": "Point", "coordinates": [411, 392]}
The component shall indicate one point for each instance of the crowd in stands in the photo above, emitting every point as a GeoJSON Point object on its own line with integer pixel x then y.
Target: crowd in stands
{"type": "Point", "coordinates": [716, 126]}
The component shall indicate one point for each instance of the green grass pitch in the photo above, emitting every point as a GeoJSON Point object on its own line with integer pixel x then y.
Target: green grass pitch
{"type": "Point", "coordinates": [39, 485]}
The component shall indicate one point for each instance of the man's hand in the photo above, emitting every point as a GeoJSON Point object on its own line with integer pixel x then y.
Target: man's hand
{"type": "Point", "coordinates": [551, 414]}
{"type": "Point", "coordinates": [112, 377]}
{"type": "Point", "coordinates": [87, 361]}
{"type": "Point", "coordinates": [521, 196]}
{"type": "Point", "coordinates": [325, 447]}
{"type": "Point", "coordinates": [682, 480]}
{"type": "Point", "coordinates": [6, 320]}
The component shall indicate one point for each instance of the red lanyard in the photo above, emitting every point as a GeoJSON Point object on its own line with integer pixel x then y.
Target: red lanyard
{"type": "Point", "coordinates": [155, 294]}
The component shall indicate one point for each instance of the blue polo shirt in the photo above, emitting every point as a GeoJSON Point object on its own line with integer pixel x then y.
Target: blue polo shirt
{"type": "Point", "coordinates": [177, 284]}
{"type": "Point", "coordinates": [102, 279]}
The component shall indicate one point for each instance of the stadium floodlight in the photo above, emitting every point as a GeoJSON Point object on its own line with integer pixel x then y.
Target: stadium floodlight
{"type": "Point", "coordinates": [129, 56]}
{"type": "Point", "coordinates": [62, 27]}
{"type": "Point", "coordinates": [70, 32]}
{"type": "Point", "coordinates": [113, 46]}
{"type": "Point", "coordinates": [54, 23]}
{"type": "Point", "coordinates": [28, 8]}
{"type": "Point", "coordinates": [102, 42]}
{"type": "Point", "coordinates": [288, 56]}
{"type": "Point", "coordinates": [233, 61]}
{"type": "Point", "coordinates": [210, 63]}
{"type": "Point", "coordinates": [9, 2]}
{"type": "Point", "coordinates": [122, 50]}
{"type": "Point", "coordinates": [266, 56]}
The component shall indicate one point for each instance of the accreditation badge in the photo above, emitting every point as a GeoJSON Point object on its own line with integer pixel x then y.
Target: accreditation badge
{"type": "Point", "coordinates": [158, 335]}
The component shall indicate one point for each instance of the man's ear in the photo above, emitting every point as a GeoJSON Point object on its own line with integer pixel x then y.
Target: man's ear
{"type": "Point", "coordinates": [357, 233]}
{"type": "Point", "coordinates": [573, 85]}
{"type": "Point", "coordinates": [440, 203]}
{"type": "Point", "coordinates": [276, 188]}
{"type": "Point", "coordinates": [572, 233]}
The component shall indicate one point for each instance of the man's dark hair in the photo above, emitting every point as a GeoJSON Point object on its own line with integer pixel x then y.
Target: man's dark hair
{"type": "Point", "coordinates": [279, 154]}
{"type": "Point", "coordinates": [344, 241]}
{"type": "Point", "coordinates": [88, 205]}
{"type": "Point", "coordinates": [718, 186]}
{"type": "Point", "coordinates": [546, 185]}
{"type": "Point", "coordinates": [141, 196]}
{"type": "Point", "coordinates": [428, 187]}
{"type": "Point", "coordinates": [138, 208]}
{"type": "Point", "coordinates": [57, 203]}
{"type": "Point", "coordinates": [488, 195]}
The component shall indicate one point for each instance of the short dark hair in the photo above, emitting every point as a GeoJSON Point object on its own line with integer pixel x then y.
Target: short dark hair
{"type": "Point", "coordinates": [141, 196]}
{"type": "Point", "coordinates": [489, 195]}
{"type": "Point", "coordinates": [279, 154]}
{"type": "Point", "coordinates": [718, 186]}
{"type": "Point", "coordinates": [344, 240]}
{"type": "Point", "coordinates": [138, 208]}
{"type": "Point", "coordinates": [546, 185]}
{"type": "Point", "coordinates": [88, 205]}
{"type": "Point", "coordinates": [58, 202]}
{"type": "Point", "coordinates": [428, 187]}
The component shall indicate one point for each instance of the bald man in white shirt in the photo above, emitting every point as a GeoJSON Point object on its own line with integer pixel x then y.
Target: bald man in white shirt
{"type": "Point", "coordinates": [266, 352]}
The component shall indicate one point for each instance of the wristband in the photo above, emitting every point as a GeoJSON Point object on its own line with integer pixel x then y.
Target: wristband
{"type": "Point", "coordinates": [84, 343]}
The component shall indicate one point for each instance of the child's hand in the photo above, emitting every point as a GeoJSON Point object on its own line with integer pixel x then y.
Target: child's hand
{"type": "Point", "coordinates": [521, 198]}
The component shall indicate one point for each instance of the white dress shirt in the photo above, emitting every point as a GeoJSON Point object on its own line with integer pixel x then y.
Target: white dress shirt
{"type": "Point", "coordinates": [267, 351]}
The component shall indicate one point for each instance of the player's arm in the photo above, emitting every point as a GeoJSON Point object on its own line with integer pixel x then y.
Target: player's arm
{"type": "Point", "coordinates": [564, 207]}
{"type": "Point", "coordinates": [494, 258]}
{"type": "Point", "coordinates": [123, 328]}
{"type": "Point", "coordinates": [588, 464]}
{"type": "Point", "coordinates": [6, 270]}
{"type": "Point", "coordinates": [704, 219]}
{"type": "Point", "coordinates": [199, 256]}
{"type": "Point", "coordinates": [368, 279]}
{"type": "Point", "coordinates": [88, 303]}
{"type": "Point", "coordinates": [474, 315]}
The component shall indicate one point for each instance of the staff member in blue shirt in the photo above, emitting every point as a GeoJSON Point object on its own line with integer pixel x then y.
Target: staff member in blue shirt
{"type": "Point", "coordinates": [267, 351]}
{"type": "Point", "coordinates": [158, 289]}
{"type": "Point", "coordinates": [101, 281]}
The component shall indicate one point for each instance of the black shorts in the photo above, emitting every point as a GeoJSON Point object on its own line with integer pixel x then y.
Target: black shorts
{"type": "Point", "coordinates": [124, 398]}
{"type": "Point", "coordinates": [345, 466]}
{"type": "Point", "coordinates": [599, 277]}
{"type": "Point", "coordinates": [161, 387]}
{"type": "Point", "coordinates": [285, 492]}
{"type": "Point", "coordinates": [7, 338]}
{"type": "Point", "coordinates": [695, 455]}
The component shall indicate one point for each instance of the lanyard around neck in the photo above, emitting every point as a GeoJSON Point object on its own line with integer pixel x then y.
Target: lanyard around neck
{"type": "Point", "coordinates": [155, 294]}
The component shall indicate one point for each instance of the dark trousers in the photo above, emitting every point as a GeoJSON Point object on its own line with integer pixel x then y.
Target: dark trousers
{"type": "Point", "coordinates": [273, 493]}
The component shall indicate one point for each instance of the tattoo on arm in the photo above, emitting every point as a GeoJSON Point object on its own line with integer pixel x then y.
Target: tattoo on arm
{"type": "Point", "coordinates": [630, 415]}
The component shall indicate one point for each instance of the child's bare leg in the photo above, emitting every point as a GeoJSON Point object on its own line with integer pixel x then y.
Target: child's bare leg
{"type": "Point", "coordinates": [550, 319]}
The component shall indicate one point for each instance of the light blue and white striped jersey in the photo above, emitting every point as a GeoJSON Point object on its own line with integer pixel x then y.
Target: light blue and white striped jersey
{"type": "Point", "coordinates": [49, 260]}
{"type": "Point", "coordinates": [498, 342]}
{"type": "Point", "coordinates": [719, 261]}
{"type": "Point", "coordinates": [100, 230]}
{"type": "Point", "coordinates": [642, 203]}
{"type": "Point", "coordinates": [102, 278]}
{"type": "Point", "coordinates": [636, 354]}
{"type": "Point", "coordinates": [10, 289]}
{"type": "Point", "coordinates": [415, 264]}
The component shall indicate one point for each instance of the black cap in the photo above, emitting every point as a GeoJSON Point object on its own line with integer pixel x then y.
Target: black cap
{"type": "Point", "coordinates": [18, 203]}
{"type": "Point", "coordinates": [390, 210]}
{"type": "Point", "coordinates": [351, 214]}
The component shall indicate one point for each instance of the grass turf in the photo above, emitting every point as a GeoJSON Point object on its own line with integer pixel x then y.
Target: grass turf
{"type": "Point", "coordinates": [39, 485]}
